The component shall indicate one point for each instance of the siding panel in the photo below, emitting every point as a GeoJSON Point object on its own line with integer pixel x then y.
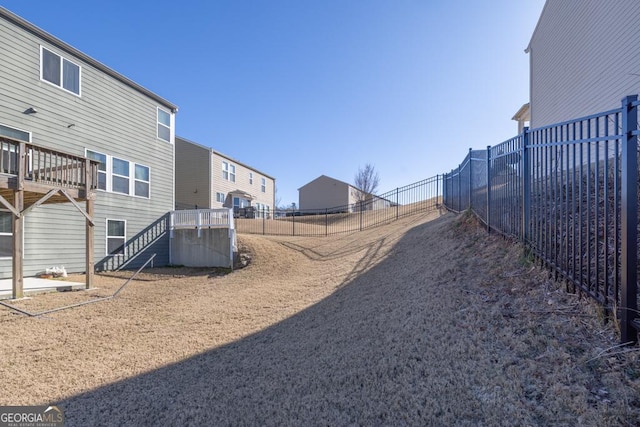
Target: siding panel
{"type": "Point", "coordinates": [585, 57]}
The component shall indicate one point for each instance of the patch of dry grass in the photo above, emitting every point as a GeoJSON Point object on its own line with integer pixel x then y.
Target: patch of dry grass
{"type": "Point", "coordinates": [425, 321]}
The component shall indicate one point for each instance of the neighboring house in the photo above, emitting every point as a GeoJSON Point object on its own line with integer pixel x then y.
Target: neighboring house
{"type": "Point", "coordinates": [326, 193]}
{"type": "Point", "coordinates": [329, 193]}
{"type": "Point", "coordinates": [584, 58]}
{"type": "Point", "coordinates": [58, 98]}
{"type": "Point", "coordinates": [208, 179]}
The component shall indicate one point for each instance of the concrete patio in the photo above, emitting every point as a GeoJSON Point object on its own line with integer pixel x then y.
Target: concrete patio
{"type": "Point", "coordinates": [36, 285]}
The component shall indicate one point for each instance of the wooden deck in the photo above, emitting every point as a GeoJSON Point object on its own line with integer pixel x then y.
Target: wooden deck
{"type": "Point", "coordinates": [31, 176]}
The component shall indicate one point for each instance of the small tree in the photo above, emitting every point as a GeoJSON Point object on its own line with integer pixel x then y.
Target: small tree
{"type": "Point", "coordinates": [366, 183]}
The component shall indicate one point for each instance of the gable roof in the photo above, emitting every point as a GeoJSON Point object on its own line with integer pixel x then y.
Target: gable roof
{"type": "Point", "coordinates": [26, 25]}
{"type": "Point", "coordinates": [188, 141]}
{"type": "Point", "coordinates": [328, 178]}
{"type": "Point", "coordinates": [535, 30]}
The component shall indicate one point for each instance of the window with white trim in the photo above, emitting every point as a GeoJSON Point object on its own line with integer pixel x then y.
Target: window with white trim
{"type": "Point", "coordinates": [228, 172]}
{"type": "Point", "coordinates": [120, 173]}
{"type": "Point", "coordinates": [116, 236]}
{"type": "Point", "coordinates": [141, 181]}
{"type": "Point", "coordinates": [59, 71]}
{"type": "Point", "coordinates": [263, 185]}
{"type": "Point", "coordinates": [6, 234]}
{"type": "Point", "coordinates": [251, 178]}
{"type": "Point", "coordinates": [164, 125]}
{"type": "Point", "coordinates": [8, 152]}
{"type": "Point", "coordinates": [220, 197]}
{"type": "Point", "coordinates": [14, 133]}
{"type": "Point", "coordinates": [121, 176]}
{"type": "Point", "coordinates": [102, 168]}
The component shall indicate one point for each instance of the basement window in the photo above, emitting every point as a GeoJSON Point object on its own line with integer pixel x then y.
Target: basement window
{"type": "Point", "coordinates": [116, 235]}
{"type": "Point", "coordinates": [6, 234]}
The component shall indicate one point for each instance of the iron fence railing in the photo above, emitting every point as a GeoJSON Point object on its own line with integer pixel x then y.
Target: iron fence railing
{"type": "Point", "coordinates": [372, 211]}
{"type": "Point", "coordinates": [569, 192]}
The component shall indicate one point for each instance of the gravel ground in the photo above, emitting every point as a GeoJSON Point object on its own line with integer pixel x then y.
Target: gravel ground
{"type": "Point", "coordinates": [426, 321]}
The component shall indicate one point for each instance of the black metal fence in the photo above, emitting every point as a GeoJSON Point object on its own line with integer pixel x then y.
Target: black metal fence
{"type": "Point", "coordinates": [375, 210]}
{"type": "Point", "coordinates": [569, 192]}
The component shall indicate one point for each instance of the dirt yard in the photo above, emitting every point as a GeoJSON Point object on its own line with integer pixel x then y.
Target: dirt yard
{"type": "Point", "coordinates": [427, 321]}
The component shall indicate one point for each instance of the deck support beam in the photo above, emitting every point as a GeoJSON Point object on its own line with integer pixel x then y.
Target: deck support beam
{"type": "Point", "coordinates": [18, 248]}
{"type": "Point", "coordinates": [89, 261]}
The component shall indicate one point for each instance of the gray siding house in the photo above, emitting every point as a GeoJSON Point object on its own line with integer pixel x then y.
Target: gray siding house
{"type": "Point", "coordinates": [57, 97]}
{"type": "Point", "coordinates": [208, 179]}
{"type": "Point", "coordinates": [584, 58]}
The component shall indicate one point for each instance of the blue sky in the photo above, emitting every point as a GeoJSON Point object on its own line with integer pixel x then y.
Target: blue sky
{"type": "Point", "coordinates": [301, 88]}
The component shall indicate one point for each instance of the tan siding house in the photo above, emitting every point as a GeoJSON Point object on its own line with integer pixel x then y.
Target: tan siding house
{"type": "Point", "coordinates": [584, 58]}
{"type": "Point", "coordinates": [325, 193]}
{"type": "Point", "coordinates": [206, 178]}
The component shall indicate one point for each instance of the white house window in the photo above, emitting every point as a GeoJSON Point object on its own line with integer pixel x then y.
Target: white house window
{"type": "Point", "coordinates": [116, 232]}
{"type": "Point", "coordinates": [164, 125]}
{"type": "Point", "coordinates": [228, 172]}
{"type": "Point", "coordinates": [141, 185]}
{"type": "Point", "coordinates": [120, 176]}
{"type": "Point", "coordinates": [251, 178]}
{"type": "Point", "coordinates": [8, 153]}
{"type": "Point", "coordinates": [15, 133]}
{"type": "Point", "coordinates": [263, 185]}
{"type": "Point", "coordinates": [59, 71]}
{"type": "Point", "coordinates": [6, 239]}
{"type": "Point", "coordinates": [220, 197]}
{"type": "Point", "coordinates": [239, 202]}
{"type": "Point", "coordinates": [102, 168]}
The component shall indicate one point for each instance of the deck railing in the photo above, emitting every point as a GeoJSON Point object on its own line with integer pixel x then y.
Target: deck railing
{"type": "Point", "coordinates": [201, 218]}
{"type": "Point", "coordinates": [46, 166]}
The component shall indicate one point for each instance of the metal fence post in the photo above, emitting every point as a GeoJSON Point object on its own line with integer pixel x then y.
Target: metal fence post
{"type": "Point", "coordinates": [460, 188]}
{"type": "Point", "coordinates": [629, 217]}
{"type": "Point", "coordinates": [470, 180]}
{"type": "Point", "coordinates": [444, 189]}
{"type": "Point", "coordinates": [488, 189]}
{"type": "Point", "coordinates": [397, 204]}
{"type": "Point", "coordinates": [526, 187]}
{"type": "Point", "coordinates": [326, 221]}
{"type": "Point", "coordinates": [361, 207]}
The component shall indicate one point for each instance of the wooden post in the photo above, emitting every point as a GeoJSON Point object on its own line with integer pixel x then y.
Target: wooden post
{"type": "Point", "coordinates": [18, 227]}
{"type": "Point", "coordinates": [89, 226]}
{"type": "Point", "coordinates": [18, 249]}
{"type": "Point", "coordinates": [89, 265]}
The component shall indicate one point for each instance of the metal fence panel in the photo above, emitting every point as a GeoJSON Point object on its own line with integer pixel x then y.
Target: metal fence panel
{"type": "Point", "coordinates": [569, 192]}
{"type": "Point", "coordinates": [372, 211]}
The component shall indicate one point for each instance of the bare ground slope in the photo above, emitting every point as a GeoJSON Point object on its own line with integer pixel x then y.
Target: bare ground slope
{"type": "Point", "coordinates": [427, 321]}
